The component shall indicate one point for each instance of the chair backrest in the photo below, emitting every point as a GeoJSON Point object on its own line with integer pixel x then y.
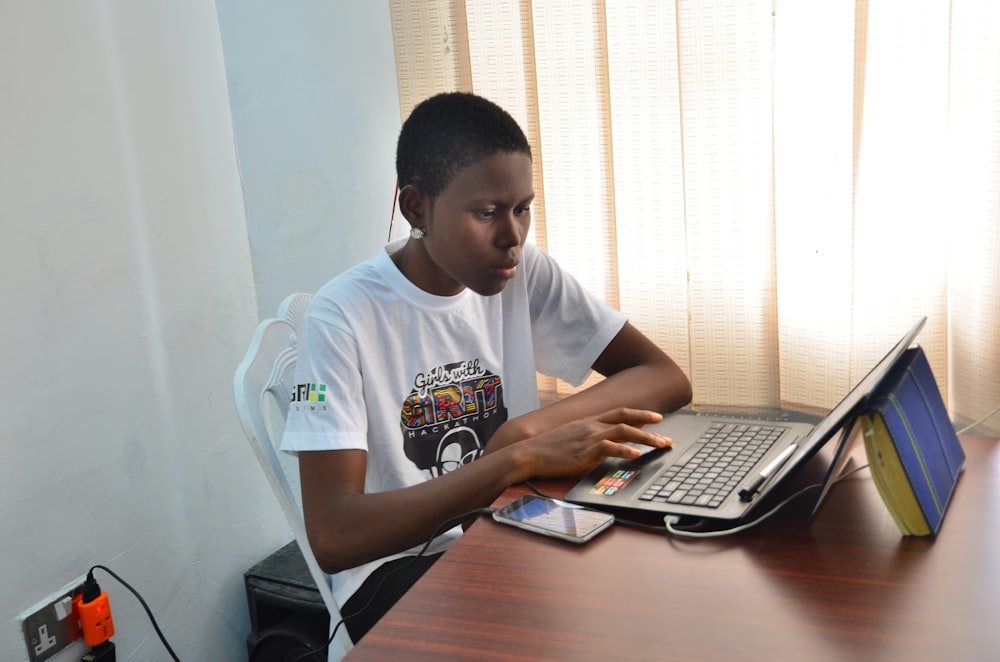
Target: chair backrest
{"type": "Point", "coordinates": [266, 376]}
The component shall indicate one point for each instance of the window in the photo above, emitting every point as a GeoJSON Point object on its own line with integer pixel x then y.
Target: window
{"type": "Point", "coordinates": [773, 191]}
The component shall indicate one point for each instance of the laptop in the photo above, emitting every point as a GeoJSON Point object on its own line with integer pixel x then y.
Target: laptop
{"type": "Point", "coordinates": [720, 467]}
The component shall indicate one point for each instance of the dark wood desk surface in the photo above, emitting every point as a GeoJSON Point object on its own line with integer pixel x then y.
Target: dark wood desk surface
{"type": "Point", "coordinates": [845, 587]}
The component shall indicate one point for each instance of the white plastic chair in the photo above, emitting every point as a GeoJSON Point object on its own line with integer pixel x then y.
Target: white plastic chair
{"type": "Point", "coordinates": [266, 372]}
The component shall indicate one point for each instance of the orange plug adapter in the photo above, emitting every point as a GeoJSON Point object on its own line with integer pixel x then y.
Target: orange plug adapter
{"type": "Point", "coordinates": [94, 611]}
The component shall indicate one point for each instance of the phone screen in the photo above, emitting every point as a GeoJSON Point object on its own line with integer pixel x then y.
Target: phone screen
{"type": "Point", "coordinates": [555, 518]}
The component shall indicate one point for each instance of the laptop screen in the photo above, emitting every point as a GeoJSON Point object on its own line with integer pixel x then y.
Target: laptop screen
{"type": "Point", "coordinates": [849, 406]}
{"type": "Point", "coordinates": [843, 414]}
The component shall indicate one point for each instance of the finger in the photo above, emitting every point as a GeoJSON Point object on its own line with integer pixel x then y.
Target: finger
{"type": "Point", "coordinates": [623, 432]}
{"type": "Point", "coordinates": [610, 448]}
{"type": "Point", "coordinates": [630, 416]}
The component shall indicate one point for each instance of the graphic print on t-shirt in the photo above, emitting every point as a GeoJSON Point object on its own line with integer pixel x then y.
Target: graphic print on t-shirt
{"type": "Point", "coordinates": [450, 415]}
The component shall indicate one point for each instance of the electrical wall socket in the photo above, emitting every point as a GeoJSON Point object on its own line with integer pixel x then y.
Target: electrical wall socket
{"type": "Point", "coordinates": [50, 626]}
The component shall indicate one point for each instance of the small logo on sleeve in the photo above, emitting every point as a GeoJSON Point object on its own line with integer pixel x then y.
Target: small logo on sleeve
{"type": "Point", "coordinates": [310, 395]}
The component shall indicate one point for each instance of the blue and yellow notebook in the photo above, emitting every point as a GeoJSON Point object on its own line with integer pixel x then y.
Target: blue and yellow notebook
{"type": "Point", "coordinates": [913, 451]}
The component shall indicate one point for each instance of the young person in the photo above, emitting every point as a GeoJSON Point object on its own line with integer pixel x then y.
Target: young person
{"type": "Point", "coordinates": [423, 364]}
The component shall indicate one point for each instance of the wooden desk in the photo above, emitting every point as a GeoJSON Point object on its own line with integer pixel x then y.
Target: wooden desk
{"type": "Point", "coordinates": [846, 587]}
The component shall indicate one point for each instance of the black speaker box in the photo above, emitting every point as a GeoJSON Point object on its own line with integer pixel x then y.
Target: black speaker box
{"type": "Point", "coordinates": [287, 614]}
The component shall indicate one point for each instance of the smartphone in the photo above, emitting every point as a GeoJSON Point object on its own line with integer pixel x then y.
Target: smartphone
{"type": "Point", "coordinates": [555, 518]}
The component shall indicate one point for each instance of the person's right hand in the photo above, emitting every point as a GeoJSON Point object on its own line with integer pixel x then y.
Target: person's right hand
{"type": "Point", "coordinates": [578, 446]}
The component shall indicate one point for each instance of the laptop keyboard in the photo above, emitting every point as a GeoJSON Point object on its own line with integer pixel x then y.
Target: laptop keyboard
{"type": "Point", "coordinates": [727, 453]}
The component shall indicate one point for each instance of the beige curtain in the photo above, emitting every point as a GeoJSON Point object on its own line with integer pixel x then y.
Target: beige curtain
{"type": "Point", "coordinates": [773, 190]}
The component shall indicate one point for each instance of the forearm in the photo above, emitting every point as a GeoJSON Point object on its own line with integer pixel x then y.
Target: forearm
{"type": "Point", "coordinates": [653, 387]}
{"type": "Point", "coordinates": [346, 530]}
{"type": "Point", "coordinates": [640, 387]}
{"type": "Point", "coordinates": [637, 374]}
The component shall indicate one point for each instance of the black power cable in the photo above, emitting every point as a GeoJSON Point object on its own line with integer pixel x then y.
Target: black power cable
{"type": "Point", "coordinates": [103, 654]}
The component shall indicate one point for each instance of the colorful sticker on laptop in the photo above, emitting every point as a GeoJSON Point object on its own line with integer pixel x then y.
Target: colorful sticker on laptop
{"type": "Point", "coordinates": [614, 482]}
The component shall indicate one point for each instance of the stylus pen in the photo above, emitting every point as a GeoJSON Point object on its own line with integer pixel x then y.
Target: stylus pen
{"type": "Point", "coordinates": [747, 492]}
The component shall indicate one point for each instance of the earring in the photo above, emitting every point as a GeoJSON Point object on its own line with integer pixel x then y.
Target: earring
{"type": "Point", "coordinates": [416, 233]}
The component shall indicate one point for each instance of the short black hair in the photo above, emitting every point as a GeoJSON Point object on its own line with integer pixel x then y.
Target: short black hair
{"type": "Point", "coordinates": [449, 131]}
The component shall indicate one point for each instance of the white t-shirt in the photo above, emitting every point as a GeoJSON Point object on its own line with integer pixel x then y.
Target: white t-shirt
{"type": "Point", "coordinates": [421, 381]}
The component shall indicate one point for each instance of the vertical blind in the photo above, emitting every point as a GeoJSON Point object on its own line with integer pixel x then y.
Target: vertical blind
{"type": "Point", "coordinates": [772, 190]}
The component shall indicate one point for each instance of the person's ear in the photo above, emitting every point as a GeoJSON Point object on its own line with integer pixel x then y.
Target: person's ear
{"type": "Point", "coordinates": [413, 205]}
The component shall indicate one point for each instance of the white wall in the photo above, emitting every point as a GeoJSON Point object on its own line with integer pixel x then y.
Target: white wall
{"type": "Point", "coordinates": [316, 113]}
{"type": "Point", "coordinates": [128, 297]}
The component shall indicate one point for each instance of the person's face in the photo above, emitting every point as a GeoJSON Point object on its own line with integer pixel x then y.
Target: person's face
{"type": "Point", "coordinates": [474, 230]}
